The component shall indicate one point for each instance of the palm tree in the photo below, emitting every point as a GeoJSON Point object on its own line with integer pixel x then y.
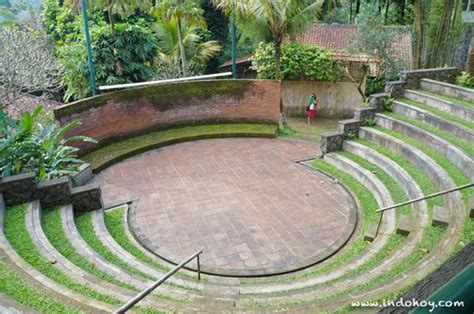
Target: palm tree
{"type": "Point", "coordinates": [172, 36]}
{"type": "Point", "coordinates": [272, 19]}
{"type": "Point", "coordinates": [123, 8]}
{"type": "Point", "coordinates": [184, 11]}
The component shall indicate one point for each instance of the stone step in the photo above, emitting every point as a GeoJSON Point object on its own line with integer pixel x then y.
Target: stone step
{"type": "Point", "coordinates": [447, 89]}
{"type": "Point", "coordinates": [441, 146]}
{"type": "Point", "coordinates": [427, 117]}
{"type": "Point", "coordinates": [80, 245]}
{"type": "Point", "coordinates": [440, 216]}
{"type": "Point", "coordinates": [49, 286]}
{"type": "Point", "coordinates": [440, 104]}
{"type": "Point", "coordinates": [34, 227]}
{"type": "Point", "coordinates": [11, 306]}
{"type": "Point", "coordinates": [102, 232]}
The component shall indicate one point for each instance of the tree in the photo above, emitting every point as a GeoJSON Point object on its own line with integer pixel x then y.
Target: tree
{"type": "Point", "coordinates": [171, 38]}
{"type": "Point", "coordinates": [27, 66]}
{"type": "Point", "coordinates": [375, 42]}
{"type": "Point", "coordinates": [272, 19]}
{"type": "Point", "coordinates": [184, 11]}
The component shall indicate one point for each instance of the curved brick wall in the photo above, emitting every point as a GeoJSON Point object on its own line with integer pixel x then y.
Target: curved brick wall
{"type": "Point", "coordinates": [118, 115]}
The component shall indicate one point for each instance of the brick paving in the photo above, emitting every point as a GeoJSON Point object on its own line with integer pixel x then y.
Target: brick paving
{"type": "Point", "coordinates": [243, 201]}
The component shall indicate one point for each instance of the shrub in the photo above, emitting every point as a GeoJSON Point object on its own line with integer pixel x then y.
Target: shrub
{"type": "Point", "coordinates": [297, 62]}
{"type": "Point", "coordinates": [465, 80]}
{"type": "Point", "coordinates": [28, 144]}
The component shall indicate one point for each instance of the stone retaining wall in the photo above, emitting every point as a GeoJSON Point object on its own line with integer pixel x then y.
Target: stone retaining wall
{"type": "Point", "coordinates": [23, 188]}
{"type": "Point", "coordinates": [331, 142]}
{"type": "Point", "coordinates": [123, 114]}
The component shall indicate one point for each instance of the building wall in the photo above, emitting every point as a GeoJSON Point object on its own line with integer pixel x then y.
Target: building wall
{"type": "Point", "coordinates": [123, 114]}
{"type": "Point", "coordinates": [336, 99]}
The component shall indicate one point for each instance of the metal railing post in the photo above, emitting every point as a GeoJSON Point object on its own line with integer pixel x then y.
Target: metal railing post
{"type": "Point", "coordinates": [199, 268]}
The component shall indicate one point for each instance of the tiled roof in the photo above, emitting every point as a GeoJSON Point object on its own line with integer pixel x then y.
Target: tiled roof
{"type": "Point", "coordinates": [338, 37]}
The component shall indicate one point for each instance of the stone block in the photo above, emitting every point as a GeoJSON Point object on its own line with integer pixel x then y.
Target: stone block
{"type": "Point", "coordinates": [405, 225]}
{"type": "Point", "coordinates": [395, 89]}
{"type": "Point", "coordinates": [87, 197]}
{"type": "Point", "coordinates": [371, 232]}
{"type": "Point", "coordinates": [363, 114]}
{"type": "Point", "coordinates": [18, 189]}
{"type": "Point", "coordinates": [350, 126]}
{"type": "Point", "coordinates": [413, 77]}
{"type": "Point", "coordinates": [83, 176]}
{"type": "Point", "coordinates": [377, 101]}
{"type": "Point", "coordinates": [54, 192]}
{"type": "Point", "coordinates": [440, 217]}
{"type": "Point", "coordinates": [331, 142]}
{"type": "Point", "coordinates": [471, 206]}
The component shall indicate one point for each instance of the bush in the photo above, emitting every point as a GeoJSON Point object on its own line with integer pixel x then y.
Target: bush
{"type": "Point", "coordinates": [297, 62]}
{"type": "Point", "coordinates": [28, 144]}
{"type": "Point", "coordinates": [126, 58]}
{"type": "Point", "coordinates": [465, 80]}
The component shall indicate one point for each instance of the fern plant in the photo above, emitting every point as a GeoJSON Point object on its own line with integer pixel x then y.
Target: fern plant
{"type": "Point", "coordinates": [465, 80]}
{"type": "Point", "coordinates": [388, 104]}
{"type": "Point", "coordinates": [28, 144]}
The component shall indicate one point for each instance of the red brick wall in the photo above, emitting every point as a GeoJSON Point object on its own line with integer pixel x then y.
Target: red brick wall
{"type": "Point", "coordinates": [126, 113]}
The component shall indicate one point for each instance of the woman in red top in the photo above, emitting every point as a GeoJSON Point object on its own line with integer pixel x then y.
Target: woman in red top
{"type": "Point", "coordinates": [313, 104]}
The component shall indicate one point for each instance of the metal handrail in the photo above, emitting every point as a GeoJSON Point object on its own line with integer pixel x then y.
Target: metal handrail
{"type": "Point", "coordinates": [181, 79]}
{"type": "Point", "coordinates": [425, 197]}
{"type": "Point", "coordinates": [419, 199]}
{"type": "Point", "coordinates": [124, 308]}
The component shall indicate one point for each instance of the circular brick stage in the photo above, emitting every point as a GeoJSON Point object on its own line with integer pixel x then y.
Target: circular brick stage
{"type": "Point", "coordinates": [246, 202]}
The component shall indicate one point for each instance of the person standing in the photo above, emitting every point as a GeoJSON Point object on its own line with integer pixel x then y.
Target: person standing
{"type": "Point", "coordinates": [313, 104]}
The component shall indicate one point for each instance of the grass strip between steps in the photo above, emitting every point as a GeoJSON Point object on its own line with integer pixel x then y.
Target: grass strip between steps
{"type": "Point", "coordinates": [20, 240]}
{"type": "Point", "coordinates": [367, 202]}
{"type": "Point", "coordinates": [86, 230]}
{"type": "Point", "coordinates": [116, 227]}
{"type": "Point", "coordinates": [463, 102]}
{"type": "Point", "coordinates": [455, 140]}
{"type": "Point", "coordinates": [396, 192]}
{"type": "Point", "coordinates": [12, 285]}
{"type": "Point", "coordinates": [52, 227]}
{"type": "Point", "coordinates": [456, 174]}
{"type": "Point", "coordinates": [440, 113]}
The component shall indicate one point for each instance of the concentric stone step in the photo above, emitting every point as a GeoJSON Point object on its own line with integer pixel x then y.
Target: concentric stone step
{"type": "Point", "coordinates": [443, 147]}
{"type": "Point", "coordinates": [50, 286]}
{"type": "Point", "coordinates": [447, 89]}
{"type": "Point", "coordinates": [441, 104]}
{"type": "Point", "coordinates": [427, 117]}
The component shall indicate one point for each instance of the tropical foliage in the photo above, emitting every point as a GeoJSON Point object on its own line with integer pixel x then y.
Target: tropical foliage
{"type": "Point", "coordinates": [297, 62]}
{"type": "Point", "coordinates": [271, 20]}
{"type": "Point", "coordinates": [28, 144]}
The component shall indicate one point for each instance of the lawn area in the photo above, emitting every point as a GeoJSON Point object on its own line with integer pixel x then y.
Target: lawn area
{"type": "Point", "coordinates": [299, 129]}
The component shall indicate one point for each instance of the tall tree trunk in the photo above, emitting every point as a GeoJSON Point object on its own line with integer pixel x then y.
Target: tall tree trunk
{"type": "Point", "coordinates": [184, 65]}
{"type": "Point", "coordinates": [357, 7]}
{"type": "Point", "coordinates": [111, 17]}
{"type": "Point", "coordinates": [418, 34]}
{"type": "Point", "coordinates": [387, 5]}
{"type": "Point", "coordinates": [439, 48]}
{"type": "Point", "coordinates": [277, 44]}
{"type": "Point", "coordinates": [350, 11]}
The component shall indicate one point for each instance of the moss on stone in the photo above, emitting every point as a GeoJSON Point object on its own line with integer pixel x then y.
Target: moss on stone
{"type": "Point", "coordinates": [160, 95]}
{"type": "Point", "coordinates": [108, 155]}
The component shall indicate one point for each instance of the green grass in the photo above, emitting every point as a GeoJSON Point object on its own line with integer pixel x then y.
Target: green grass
{"type": "Point", "coordinates": [108, 155]}
{"type": "Point", "coordinates": [20, 240]}
{"type": "Point", "coordinates": [358, 245]}
{"type": "Point", "coordinates": [442, 114]}
{"type": "Point", "coordinates": [396, 192]}
{"type": "Point", "coordinates": [449, 98]}
{"type": "Point", "coordinates": [454, 172]}
{"type": "Point", "coordinates": [52, 226]}
{"type": "Point", "coordinates": [469, 149]}
{"type": "Point", "coordinates": [12, 285]}
{"type": "Point", "coordinates": [116, 227]}
{"type": "Point", "coordinates": [86, 229]}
